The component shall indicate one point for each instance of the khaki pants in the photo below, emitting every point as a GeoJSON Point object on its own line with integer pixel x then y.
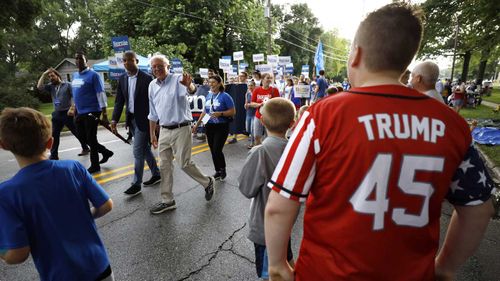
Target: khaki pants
{"type": "Point", "coordinates": [176, 143]}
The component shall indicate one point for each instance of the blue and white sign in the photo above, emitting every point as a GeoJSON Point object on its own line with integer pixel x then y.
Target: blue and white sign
{"type": "Point", "coordinates": [305, 70]}
{"type": "Point", "coordinates": [289, 68]}
{"type": "Point", "coordinates": [264, 68]}
{"type": "Point", "coordinates": [258, 57]}
{"type": "Point", "coordinates": [272, 59]}
{"type": "Point", "coordinates": [176, 66]}
{"type": "Point", "coordinates": [225, 64]}
{"type": "Point", "coordinates": [204, 72]}
{"type": "Point", "coordinates": [237, 56]}
{"type": "Point", "coordinates": [227, 58]}
{"type": "Point", "coordinates": [120, 44]}
{"type": "Point", "coordinates": [284, 60]}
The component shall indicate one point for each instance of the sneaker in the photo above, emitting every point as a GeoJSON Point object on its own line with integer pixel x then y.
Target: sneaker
{"type": "Point", "coordinates": [93, 169]}
{"type": "Point", "coordinates": [210, 189]}
{"type": "Point", "coordinates": [233, 140]}
{"type": "Point", "coordinates": [162, 207]}
{"type": "Point", "coordinates": [84, 152]}
{"type": "Point", "coordinates": [219, 175]}
{"type": "Point", "coordinates": [106, 156]}
{"type": "Point", "coordinates": [133, 190]}
{"type": "Point", "coordinates": [153, 180]}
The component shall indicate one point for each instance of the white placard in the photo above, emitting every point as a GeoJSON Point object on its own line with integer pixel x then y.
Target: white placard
{"type": "Point", "coordinates": [264, 68]}
{"type": "Point", "coordinates": [302, 91]}
{"type": "Point", "coordinates": [224, 64]}
{"type": "Point", "coordinates": [272, 59]}
{"type": "Point", "coordinates": [258, 57]}
{"type": "Point", "coordinates": [204, 72]}
{"type": "Point", "coordinates": [238, 56]}
{"type": "Point", "coordinates": [205, 119]}
{"type": "Point", "coordinates": [284, 60]}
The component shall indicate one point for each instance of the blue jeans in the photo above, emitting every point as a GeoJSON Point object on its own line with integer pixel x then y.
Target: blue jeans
{"type": "Point", "coordinates": [142, 150]}
{"type": "Point", "coordinates": [249, 126]}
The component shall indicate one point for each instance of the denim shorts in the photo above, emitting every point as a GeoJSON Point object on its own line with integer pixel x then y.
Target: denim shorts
{"type": "Point", "coordinates": [262, 261]}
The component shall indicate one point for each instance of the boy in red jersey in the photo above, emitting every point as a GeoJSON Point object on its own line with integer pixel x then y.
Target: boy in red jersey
{"type": "Point", "coordinates": [396, 155]}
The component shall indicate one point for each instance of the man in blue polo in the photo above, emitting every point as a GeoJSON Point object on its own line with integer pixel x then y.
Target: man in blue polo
{"type": "Point", "coordinates": [90, 102]}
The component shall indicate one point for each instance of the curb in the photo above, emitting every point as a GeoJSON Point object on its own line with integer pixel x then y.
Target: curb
{"type": "Point", "coordinates": [495, 174]}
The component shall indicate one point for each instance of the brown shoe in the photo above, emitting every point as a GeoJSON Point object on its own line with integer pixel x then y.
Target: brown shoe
{"type": "Point", "coordinates": [84, 152]}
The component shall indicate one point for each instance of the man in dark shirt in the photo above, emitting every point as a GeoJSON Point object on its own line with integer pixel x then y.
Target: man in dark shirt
{"type": "Point", "coordinates": [61, 98]}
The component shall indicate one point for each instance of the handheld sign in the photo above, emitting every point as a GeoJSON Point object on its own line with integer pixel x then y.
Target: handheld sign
{"type": "Point", "coordinates": [258, 57]}
{"type": "Point", "coordinates": [204, 72]}
{"type": "Point", "coordinates": [264, 68]}
{"type": "Point", "coordinates": [284, 60]}
{"type": "Point", "coordinates": [224, 63]}
{"type": "Point", "coordinates": [272, 59]}
{"type": "Point", "coordinates": [302, 91]}
{"type": "Point", "coordinates": [120, 44]}
{"type": "Point", "coordinates": [237, 56]}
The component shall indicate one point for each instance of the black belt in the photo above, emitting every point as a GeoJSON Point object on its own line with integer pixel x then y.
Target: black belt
{"type": "Point", "coordinates": [176, 126]}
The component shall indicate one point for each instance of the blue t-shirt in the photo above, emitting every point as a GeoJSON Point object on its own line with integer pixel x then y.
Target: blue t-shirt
{"type": "Point", "coordinates": [322, 85]}
{"type": "Point", "coordinates": [46, 206]}
{"type": "Point", "coordinates": [250, 110]}
{"type": "Point", "coordinates": [222, 101]}
{"type": "Point", "coordinates": [86, 86]}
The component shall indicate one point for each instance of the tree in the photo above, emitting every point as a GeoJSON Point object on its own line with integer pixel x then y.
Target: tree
{"type": "Point", "coordinates": [299, 33]}
{"type": "Point", "coordinates": [337, 51]}
{"type": "Point", "coordinates": [478, 23]}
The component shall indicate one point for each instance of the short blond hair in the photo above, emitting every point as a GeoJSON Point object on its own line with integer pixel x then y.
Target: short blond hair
{"type": "Point", "coordinates": [277, 115]}
{"type": "Point", "coordinates": [24, 131]}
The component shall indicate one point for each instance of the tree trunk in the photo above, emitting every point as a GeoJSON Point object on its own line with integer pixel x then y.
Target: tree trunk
{"type": "Point", "coordinates": [482, 66]}
{"type": "Point", "coordinates": [465, 69]}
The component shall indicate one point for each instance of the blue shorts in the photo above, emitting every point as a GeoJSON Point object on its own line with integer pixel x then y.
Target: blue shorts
{"type": "Point", "coordinates": [459, 102]}
{"type": "Point", "coordinates": [262, 261]}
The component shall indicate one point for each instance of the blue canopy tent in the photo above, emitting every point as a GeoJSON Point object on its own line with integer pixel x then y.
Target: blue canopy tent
{"type": "Point", "coordinates": [104, 66]}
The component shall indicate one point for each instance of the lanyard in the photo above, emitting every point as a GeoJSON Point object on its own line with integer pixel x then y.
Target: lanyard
{"type": "Point", "coordinates": [212, 101]}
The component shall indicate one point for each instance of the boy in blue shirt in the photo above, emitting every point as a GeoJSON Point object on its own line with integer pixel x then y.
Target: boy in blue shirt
{"type": "Point", "coordinates": [44, 208]}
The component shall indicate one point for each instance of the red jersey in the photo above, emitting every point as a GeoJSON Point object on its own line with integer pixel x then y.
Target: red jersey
{"type": "Point", "coordinates": [261, 95]}
{"type": "Point", "coordinates": [375, 164]}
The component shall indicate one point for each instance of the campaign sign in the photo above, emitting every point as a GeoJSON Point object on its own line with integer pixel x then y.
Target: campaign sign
{"type": "Point", "coordinates": [243, 66]}
{"type": "Point", "coordinates": [224, 63]}
{"type": "Point", "coordinates": [284, 60]}
{"type": "Point", "coordinates": [305, 70]}
{"type": "Point", "coordinates": [302, 91]}
{"type": "Point", "coordinates": [115, 73]}
{"type": "Point", "coordinates": [264, 68]}
{"type": "Point", "coordinates": [227, 58]}
{"type": "Point", "coordinates": [204, 72]}
{"type": "Point", "coordinates": [272, 59]}
{"type": "Point", "coordinates": [120, 44]}
{"type": "Point", "coordinates": [176, 66]}
{"type": "Point", "coordinates": [258, 57]}
{"type": "Point", "coordinates": [289, 68]}
{"type": "Point", "coordinates": [237, 56]}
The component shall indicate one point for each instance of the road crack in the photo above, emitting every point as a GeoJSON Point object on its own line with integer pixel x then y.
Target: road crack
{"type": "Point", "coordinates": [215, 253]}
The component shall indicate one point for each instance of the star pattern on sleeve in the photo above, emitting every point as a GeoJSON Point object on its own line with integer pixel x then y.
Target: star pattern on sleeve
{"type": "Point", "coordinates": [471, 184]}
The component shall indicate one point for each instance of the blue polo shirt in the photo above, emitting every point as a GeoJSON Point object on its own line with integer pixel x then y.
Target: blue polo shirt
{"type": "Point", "coordinates": [46, 206]}
{"type": "Point", "coordinates": [221, 101]}
{"type": "Point", "coordinates": [88, 90]}
{"type": "Point", "coordinates": [322, 85]}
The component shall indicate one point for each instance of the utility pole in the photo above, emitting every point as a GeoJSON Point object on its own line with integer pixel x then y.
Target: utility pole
{"type": "Point", "coordinates": [267, 13]}
{"type": "Point", "coordinates": [454, 50]}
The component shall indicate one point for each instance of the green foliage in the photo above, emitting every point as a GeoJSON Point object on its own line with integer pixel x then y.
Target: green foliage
{"type": "Point", "coordinates": [17, 92]}
{"type": "Point", "coordinates": [495, 96]}
{"type": "Point", "coordinates": [299, 26]}
{"type": "Point", "coordinates": [336, 50]}
{"type": "Point", "coordinates": [479, 30]}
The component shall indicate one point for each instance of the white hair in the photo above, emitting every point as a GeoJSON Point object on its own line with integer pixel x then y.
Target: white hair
{"type": "Point", "coordinates": [429, 71]}
{"type": "Point", "coordinates": [159, 56]}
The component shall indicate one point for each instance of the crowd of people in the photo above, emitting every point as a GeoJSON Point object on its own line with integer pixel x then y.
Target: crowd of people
{"type": "Point", "coordinates": [372, 159]}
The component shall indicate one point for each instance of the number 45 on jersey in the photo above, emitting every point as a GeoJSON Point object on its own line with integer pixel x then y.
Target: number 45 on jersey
{"type": "Point", "coordinates": [377, 180]}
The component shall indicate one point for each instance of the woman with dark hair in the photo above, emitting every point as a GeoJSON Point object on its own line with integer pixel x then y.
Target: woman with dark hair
{"type": "Point", "coordinates": [219, 110]}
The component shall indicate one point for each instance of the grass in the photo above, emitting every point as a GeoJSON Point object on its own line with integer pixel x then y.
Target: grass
{"type": "Point", "coordinates": [480, 112]}
{"type": "Point", "coordinates": [493, 152]}
{"type": "Point", "coordinates": [47, 108]}
{"type": "Point", "coordinates": [495, 96]}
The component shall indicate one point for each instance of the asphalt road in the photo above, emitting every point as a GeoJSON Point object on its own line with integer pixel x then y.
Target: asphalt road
{"type": "Point", "coordinates": [199, 240]}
